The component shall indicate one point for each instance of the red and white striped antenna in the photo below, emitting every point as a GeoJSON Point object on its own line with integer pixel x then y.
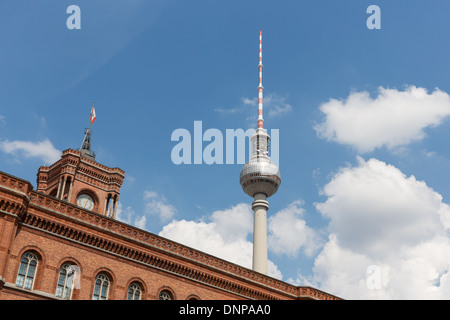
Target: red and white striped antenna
{"type": "Point", "coordinates": [260, 86]}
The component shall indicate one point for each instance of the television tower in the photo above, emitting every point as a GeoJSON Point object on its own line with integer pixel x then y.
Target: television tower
{"type": "Point", "coordinates": [260, 179]}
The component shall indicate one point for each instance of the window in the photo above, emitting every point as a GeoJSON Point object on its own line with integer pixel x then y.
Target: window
{"type": "Point", "coordinates": [27, 271]}
{"type": "Point", "coordinates": [165, 295]}
{"type": "Point", "coordinates": [66, 279]}
{"type": "Point", "coordinates": [134, 291]}
{"type": "Point", "coordinates": [101, 288]}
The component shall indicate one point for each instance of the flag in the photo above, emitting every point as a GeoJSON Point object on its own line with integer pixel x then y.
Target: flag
{"type": "Point", "coordinates": [93, 117]}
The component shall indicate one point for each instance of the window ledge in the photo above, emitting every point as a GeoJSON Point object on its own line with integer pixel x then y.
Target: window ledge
{"type": "Point", "coordinates": [38, 293]}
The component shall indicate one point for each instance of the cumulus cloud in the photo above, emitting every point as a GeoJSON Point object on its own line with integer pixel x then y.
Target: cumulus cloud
{"type": "Point", "coordinates": [382, 220]}
{"type": "Point", "coordinates": [289, 233]}
{"type": "Point", "coordinates": [43, 150]}
{"type": "Point", "coordinates": [394, 118]}
{"type": "Point", "coordinates": [156, 204]}
{"type": "Point", "coordinates": [129, 216]}
{"type": "Point", "coordinates": [140, 222]}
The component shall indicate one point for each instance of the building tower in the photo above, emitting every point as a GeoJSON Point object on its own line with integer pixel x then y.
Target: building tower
{"type": "Point", "coordinates": [260, 179]}
{"type": "Point", "coordinates": [80, 180]}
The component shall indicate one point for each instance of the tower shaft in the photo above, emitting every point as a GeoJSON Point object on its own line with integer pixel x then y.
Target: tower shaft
{"type": "Point", "coordinates": [260, 207]}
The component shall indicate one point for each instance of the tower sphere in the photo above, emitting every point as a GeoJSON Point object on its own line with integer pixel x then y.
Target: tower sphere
{"type": "Point", "coordinates": [260, 174]}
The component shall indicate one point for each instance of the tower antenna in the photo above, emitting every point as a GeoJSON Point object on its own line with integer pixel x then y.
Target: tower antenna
{"type": "Point", "coordinates": [260, 86]}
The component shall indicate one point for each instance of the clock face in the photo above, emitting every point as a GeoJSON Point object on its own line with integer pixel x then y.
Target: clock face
{"type": "Point", "coordinates": [85, 202]}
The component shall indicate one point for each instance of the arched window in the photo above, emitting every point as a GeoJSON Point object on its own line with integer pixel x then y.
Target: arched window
{"type": "Point", "coordinates": [165, 295]}
{"type": "Point", "coordinates": [134, 291]}
{"type": "Point", "coordinates": [101, 288]}
{"type": "Point", "coordinates": [67, 275]}
{"type": "Point", "coordinates": [27, 271]}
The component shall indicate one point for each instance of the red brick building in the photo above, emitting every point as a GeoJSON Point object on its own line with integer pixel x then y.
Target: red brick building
{"type": "Point", "coordinates": [62, 241]}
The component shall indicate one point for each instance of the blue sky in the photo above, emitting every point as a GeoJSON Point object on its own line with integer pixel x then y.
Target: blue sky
{"type": "Point", "coordinates": [362, 116]}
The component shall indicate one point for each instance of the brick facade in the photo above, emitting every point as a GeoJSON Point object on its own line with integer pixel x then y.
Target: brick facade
{"type": "Point", "coordinates": [57, 231]}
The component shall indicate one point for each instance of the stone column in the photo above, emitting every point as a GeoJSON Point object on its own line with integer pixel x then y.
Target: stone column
{"type": "Point", "coordinates": [116, 201]}
{"type": "Point", "coordinates": [58, 194]}
{"type": "Point", "coordinates": [107, 204]}
{"type": "Point", "coordinates": [63, 187]}
{"type": "Point", "coordinates": [69, 195]}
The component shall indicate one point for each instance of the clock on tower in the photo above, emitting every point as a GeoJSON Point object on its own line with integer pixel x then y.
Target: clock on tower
{"type": "Point", "coordinates": [85, 201]}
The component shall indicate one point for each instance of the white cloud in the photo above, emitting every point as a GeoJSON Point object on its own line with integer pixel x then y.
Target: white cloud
{"type": "Point", "coordinates": [156, 204]}
{"type": "Point", "coordinates": [124, 215]}
{"type": "Point", "coordinates": [140, 222]}
{"type": "Point", "coordinates": [251, 102]}
{"type": "Point", "coordinates": [392, 119]}
{"type": "Point", "coordinates": [150, 194]}
{"type": "Point", "coordinates": [43, 150]}
{"type": "Point", "coordinates": [343, 272]}
{"type": "Point", "coordinates": [288, 232]}
{"type": "Point", "coordinates": [276, 105]}
{"type": "Point", "coordinates": [380, 217]}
